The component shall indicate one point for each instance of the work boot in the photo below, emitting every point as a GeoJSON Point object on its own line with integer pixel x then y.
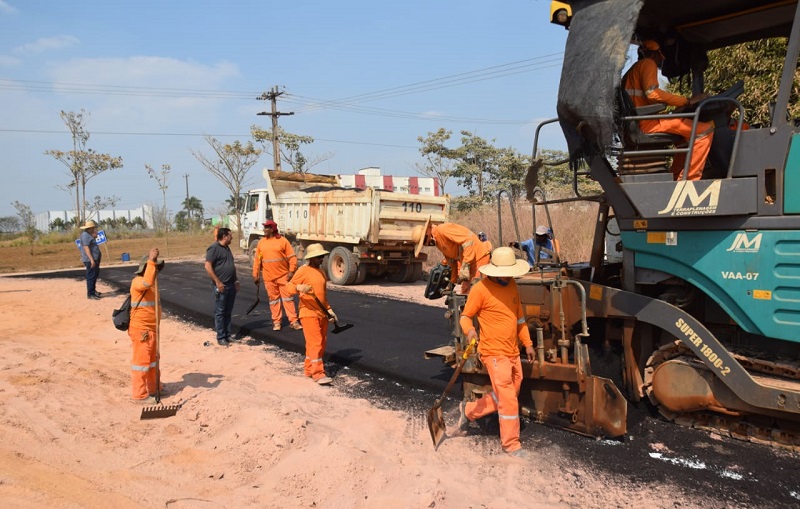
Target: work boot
{"type": "Point", "coordinates": [325, 380]}
{"type": "Point", "coordinates": [150, 400]}
{"type": "Point", "coordinates": [296, 326]}
{"type": "Point", "coordinates": [521, 454]}
{"type": "Point", "coordinates": [223, 342]}
{"type": "Point", "coordinates": [276, 326]}
{"type": "Point", "coordinates": [94, 296]}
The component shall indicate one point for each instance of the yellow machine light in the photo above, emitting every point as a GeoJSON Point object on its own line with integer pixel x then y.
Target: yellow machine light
{"type": "Point", "coordinates": [560, 13]}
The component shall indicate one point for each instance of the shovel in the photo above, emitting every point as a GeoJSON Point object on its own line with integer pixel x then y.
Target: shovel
{"type": "Point", "coordinates": [159, 411]}
{"type": "Point", "coordinates": [336, 327]}
{"type": "Point", "coordinates": [435, 416]}
{"type": "Point", "coordinates": [258, 299]}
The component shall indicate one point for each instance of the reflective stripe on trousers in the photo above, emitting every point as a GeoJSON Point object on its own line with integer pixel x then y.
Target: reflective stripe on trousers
{"type": "Point", "coordinates": [506, 376]}
{"type": "Point", "coordinates": [315, 331]}
{"type": "Point", "coordinates": [278, 293]}
{"type": "Point", "coordinates": [143, 362]}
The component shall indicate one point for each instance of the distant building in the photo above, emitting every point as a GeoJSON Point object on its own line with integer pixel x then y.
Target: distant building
{"type": "Point", "coordinates": [45, 219]}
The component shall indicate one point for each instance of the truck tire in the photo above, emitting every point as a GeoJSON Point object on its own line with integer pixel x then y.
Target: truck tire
{"type": "Point", "coordinates": [403, 273]}
{"type": "Point", "coordinates": [342, 266]}
{"type": "Point", "coordinates": [250, 249]}
{"type": "Point", "coordinates": [417, 275]}
{"type": "Point", "coordinates": [361, 275]}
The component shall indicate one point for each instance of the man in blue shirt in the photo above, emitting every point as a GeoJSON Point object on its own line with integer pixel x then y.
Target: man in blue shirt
{"type": "Point", "coordinates": [90, 256]}
{"type": "Point", "coordinates": [542, 240]}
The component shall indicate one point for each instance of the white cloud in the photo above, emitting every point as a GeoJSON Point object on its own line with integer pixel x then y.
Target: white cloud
{"type": "Point", "coordinates": [47, 44]}
{"type": "Point", "coordinates": [6, 61]}
{"type": "Point", "coordinates": [5, 7]}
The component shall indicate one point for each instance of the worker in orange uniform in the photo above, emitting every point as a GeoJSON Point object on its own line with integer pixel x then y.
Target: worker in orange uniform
{"type": "Point", "coordinates": [495, 302]}
{"type": "Point", "coordinates": [462, 249]}
{"type": "Point", "coordinates": [641, 84]}
{"type": "Point", "coordinates": [143, 329]}
{"type": "Point", "coordinates": [315, 312]}
{"type": "Point", "coordinates": [276, 262]}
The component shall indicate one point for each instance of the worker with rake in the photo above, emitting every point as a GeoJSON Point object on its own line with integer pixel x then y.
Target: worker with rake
{"type": "Point", "coordinates": [143, 329]}
{"type": "Point", "coordinates": [495, 302]}
{"type": "Point", "coordinates": [315, 312]}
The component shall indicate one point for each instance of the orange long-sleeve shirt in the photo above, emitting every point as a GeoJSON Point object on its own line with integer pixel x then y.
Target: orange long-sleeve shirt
{"type": "Point", "coordinates": [499, 312]}
{"type": "Point", "coordinates": [308, 275]}
{"type": "Point", "coordinates": [458, 244]}
{"type": "Point", "coordinates": [641, 83]}
{"type": "Point", "coordinates": [143, 299]}
{"type": "Point", "coordinates": [274, 257]}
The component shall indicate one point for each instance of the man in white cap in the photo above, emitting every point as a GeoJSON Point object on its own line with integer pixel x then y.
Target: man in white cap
{"type": "Point", "coordinates": [541, 240]}
{"type": "Point", "coordinates": [90, 256]}
{"type": "Point", "coordinates": [495, 302]}
{"type": "Point", "coordinates": [309, 281]}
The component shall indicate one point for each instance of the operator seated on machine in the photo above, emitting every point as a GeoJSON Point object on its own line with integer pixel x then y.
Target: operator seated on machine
{"type": "Point", "coordinates": [541, 242]}
{"type": "Point", "coordinates": [641, 84]}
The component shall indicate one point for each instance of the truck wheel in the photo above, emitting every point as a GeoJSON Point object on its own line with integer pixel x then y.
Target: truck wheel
{"type": "Point", "coordinates": [361, 276]}
{"type": "Point", "coordinates": [342, 267]}
{"type": "Point", "coordinates": [417, 275]}
{"type": "Point", "coordinates": [403, 274]}
{"type": "Point", "coordinates": [251, 250]}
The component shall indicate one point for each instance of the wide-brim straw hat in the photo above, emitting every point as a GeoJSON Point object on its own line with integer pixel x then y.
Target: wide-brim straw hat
{"type": "Point", "coordinates": [505, 264]}
{"type": "Point", "coordinates": [314, 250]}
{"type": "Point", "coordinates": [143, 265]}
{"type": "Point", "coordinates": [89, 224]}
{"type": "Point", "coordinates": [418, 234]}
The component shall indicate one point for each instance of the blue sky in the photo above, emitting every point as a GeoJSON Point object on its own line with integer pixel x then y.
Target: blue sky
{"type": "Point", "coordinates": [365, 79]}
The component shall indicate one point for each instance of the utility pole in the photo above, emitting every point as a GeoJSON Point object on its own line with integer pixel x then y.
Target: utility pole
{"type": "Point", "coordinates": [272, 96]}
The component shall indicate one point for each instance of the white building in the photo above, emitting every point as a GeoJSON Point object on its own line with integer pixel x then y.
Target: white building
{"type": "Point", "coordinates": [45, 219]}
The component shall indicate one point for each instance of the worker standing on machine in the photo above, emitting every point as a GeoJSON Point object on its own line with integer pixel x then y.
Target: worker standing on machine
{"type": "Point", "coordinates": [495, 302]}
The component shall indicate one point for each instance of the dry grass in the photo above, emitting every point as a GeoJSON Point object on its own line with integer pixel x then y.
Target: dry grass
{"type": "Point", "coordinates": [572, 223]}
{"type": "Point", "coordinates": [64, 255]}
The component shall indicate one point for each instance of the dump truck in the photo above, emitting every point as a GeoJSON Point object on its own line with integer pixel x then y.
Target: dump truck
{"type": "Point", "coordinates": [699, 316]}
{"type": "Point", "coordinates": [367, 231]}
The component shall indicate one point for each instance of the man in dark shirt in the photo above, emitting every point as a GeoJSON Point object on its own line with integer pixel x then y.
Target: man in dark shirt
{"type": "Point", "coordinates": [222, 271]}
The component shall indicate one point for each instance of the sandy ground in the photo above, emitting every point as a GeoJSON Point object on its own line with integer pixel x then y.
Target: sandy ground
{"type": "Point", "coordinates": [252, 431]}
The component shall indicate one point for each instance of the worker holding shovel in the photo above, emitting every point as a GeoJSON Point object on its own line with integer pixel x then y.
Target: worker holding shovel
{"type": "Point", "coordinates": [143, 330]}
{"type": "Point", "coordinates": [495, 302]}
{"type": "Point", "coordinates": [309, 281]}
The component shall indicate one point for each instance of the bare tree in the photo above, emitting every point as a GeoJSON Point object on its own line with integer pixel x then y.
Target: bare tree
{"type": "Point", "coordinates": [82, 163]}
{"type": "Point", "coordinates": [230, 165]}
{"type": "Point", "coordinates": [162, 179]}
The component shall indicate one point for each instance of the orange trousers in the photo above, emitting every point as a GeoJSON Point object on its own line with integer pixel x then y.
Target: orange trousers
{"type": "Point", "coordinates": [506, 376]}
{"type": "Point", "coordinates": [279, 295]}
{"type": "Point", "coordinates": [143, 363]}
{"type": "Point", "coordinates": [683, 127]}
{"type": "Point", "coordinates": [315, 331]}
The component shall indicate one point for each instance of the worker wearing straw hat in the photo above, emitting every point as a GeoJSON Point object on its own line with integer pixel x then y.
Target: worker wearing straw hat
{"type": "Point", "coordinates": [309, 281]}
{"type": "Point", "coordinates": [90, 256]}
{"type": "Point", "coordinates": [495, 302]}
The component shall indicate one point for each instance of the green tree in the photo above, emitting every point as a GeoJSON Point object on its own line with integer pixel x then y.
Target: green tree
{"type": "Point", "coordinates": [193, 209]}
{"type": "Point", "coordinates": [438, 158]}
{"type": "Point", "coordinates": [230, 164]}
{"type": "Point", "coordinates": [759, 64]}
{"type": "Point", "coordinates": [82, 163]}
{"type": "Point", "coordinates": [58, 224]}
{"type": "Point", "coordinates": [235, 203]}
{"type": "Point", "coordinates": [290, 145]}
{"type": "Point", "coordinates": [28, 222]}
{"type": "Point", "coordinates": [9, 224]}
